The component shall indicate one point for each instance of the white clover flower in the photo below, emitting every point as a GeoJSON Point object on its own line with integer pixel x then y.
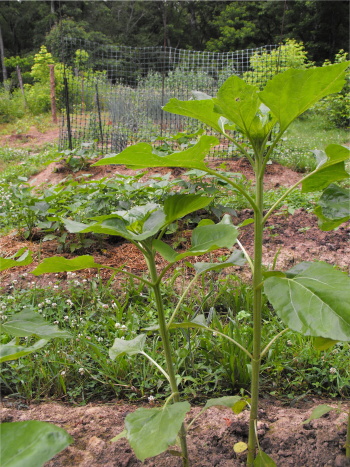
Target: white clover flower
{"type": "Point", "coordinates": [117, 325]}
{"type": "Point", "coordinates": [81, 371]}
{"type": "Point", "coordinates": [69, 302]}
{"type": "Point", "coordinates": [123, 327]}
{"type": "Point", "coordinates": [63, 373]}
{"type": "Point", "coordinates": [332, 370]}
{"type": "Point", "coordinates": [56, 287]}
{"type": "Point", "coordinates": [56, 322]}
{"type": "Point", "coordinates": [105, 306]}
{"type": "Point", "coordinates": [48, 302]}
{"type": "Point", "coordinates": [66, 317]}
{"type": "Point", "coordinates": [88, 338]}
{"type": "Point", "coordinates": [99, 339]}
{"type": "Point", "coordinates": [40, 305]}
{"type": "Point", "coordinates": [54, 305]}
{"type": "Point", "coordinates": [150, 398]}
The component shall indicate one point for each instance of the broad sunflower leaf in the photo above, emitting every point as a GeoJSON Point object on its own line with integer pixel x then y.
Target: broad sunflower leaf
{"type": "Point", "coordinates": [151, 431]}
{"type": "Point", "coordinates": [31, 443]}
{"type": "Point", "coordinates": [315, 302]}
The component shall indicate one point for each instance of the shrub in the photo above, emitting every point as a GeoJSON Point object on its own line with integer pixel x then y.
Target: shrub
{"type": "Point", "coordinates": [336, 107]}
{"type": "Point", "coordinates": [266, 65]}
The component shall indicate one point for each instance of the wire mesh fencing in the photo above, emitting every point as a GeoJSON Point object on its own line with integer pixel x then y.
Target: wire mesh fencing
{"type": "Point", "coordinates": [112, 96]}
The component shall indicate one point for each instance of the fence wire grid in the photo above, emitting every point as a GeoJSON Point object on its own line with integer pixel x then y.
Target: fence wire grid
{"type": "Point", "coordinates": [112, 96]}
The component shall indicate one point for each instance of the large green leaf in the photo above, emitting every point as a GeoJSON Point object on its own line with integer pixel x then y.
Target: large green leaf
{"type": "Point", "coordinates": [291, 93]}
{"type": "Point", "coordinates": [236, 259]}
{"type": "Point", "coordinates": [315, 302]}
{"type": "Point", "coordinates": [24, 257]}
{"type": "Point", "coordinates": [211, 237]}
{"type": "Point", "coordinates": [205, 238]}
{"type": "Point", "coordinates": [179, 205]}
{"type": "Point", "coordinates": [140, 229]}
{"type": "Point", "coordinates": [141, 155]}
{"type": "Point", "coordinates": [12, 351]}
{"type": "Point", "coordinates": [239, 102]}
{"type": "Point", "coordinates": [60, 264]}
{"type": "Point", "coordinates": [331, 168]}
{"type": "Point", "coordinates": [202, 110]}
{"type": "Point", "coordinates": [165, 250]}
{"type": "Point", "coordinates": [263, 460]}
{"type": "Point", "coordinates": [31, 443]}
{"type": "Point", "coordinates": [28, 323]}
{"type": "Point", "coordinates": [333, 207]}
{"type": "Point", "coordinates": [151, 431]}
{"type": "Point", "coordinates": [127, 347]}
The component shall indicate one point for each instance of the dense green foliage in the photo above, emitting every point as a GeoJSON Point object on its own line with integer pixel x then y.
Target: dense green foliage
{"type": "Point", "coordinates": [218, 26]}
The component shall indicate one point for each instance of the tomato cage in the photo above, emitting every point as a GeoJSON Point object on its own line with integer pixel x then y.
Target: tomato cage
{"type": "Point", "coordinates": [112, 96]}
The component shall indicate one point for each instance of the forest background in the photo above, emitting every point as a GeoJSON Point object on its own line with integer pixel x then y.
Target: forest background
{"type": "Point", "coordinates": [198, 25]}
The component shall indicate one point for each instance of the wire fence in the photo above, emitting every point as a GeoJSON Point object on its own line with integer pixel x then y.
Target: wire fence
{"type": "Point", "coordinates": [112, 96]}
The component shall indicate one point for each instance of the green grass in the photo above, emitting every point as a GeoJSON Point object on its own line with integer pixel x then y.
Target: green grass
{"type": "Point", "coordinates": [79, 369]}
{"type": "Point", "coordinates": [16, 163]}
{"type": "Point", "coordinates": [306, 134]}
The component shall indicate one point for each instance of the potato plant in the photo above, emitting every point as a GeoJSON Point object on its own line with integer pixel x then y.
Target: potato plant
{"type": "Point", "coordinates": [312, 298]}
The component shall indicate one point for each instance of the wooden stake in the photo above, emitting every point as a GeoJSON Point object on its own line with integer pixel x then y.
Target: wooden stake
{"type": "Point", "coordinates": [53, 93]}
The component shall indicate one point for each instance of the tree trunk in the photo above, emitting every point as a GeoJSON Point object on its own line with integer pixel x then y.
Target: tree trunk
{"type": "Point", "coordinates": [2, 56]}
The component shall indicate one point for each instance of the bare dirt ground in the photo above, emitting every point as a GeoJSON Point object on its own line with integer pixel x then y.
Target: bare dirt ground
{"type": "Point", "coordinates": [281, 432]}
{"type": "Point", "coordinates": [282, 435]}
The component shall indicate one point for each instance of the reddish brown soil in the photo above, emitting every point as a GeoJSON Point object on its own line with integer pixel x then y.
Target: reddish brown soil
{"type": "Point", "coordinates": [282, 434]}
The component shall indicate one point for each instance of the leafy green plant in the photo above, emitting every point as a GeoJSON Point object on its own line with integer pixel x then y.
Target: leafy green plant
{"type": "Point", "coordinates": [76, 159]}
{"type": "Point", "coordinates": [144, 226]}
{"type": "Point", "coordinates": [266, 65]}
{"type": "Point", "coordinates": [31, 442]}
{"type": "Point", "coordinates": [336, 107]}
{"type": "Point", "coordinates": [262, 117]}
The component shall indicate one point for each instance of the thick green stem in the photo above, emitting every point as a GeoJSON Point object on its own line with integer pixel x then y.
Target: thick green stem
{"type": "Point", "coordinates": [347, 442]}
{"type": "Point", "coordinates": [257, 279]}
{"type": "Point", "coordinates": [167, 348]}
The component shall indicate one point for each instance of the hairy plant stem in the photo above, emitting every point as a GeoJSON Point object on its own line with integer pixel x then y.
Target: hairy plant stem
{"type": "Point", "coordinates": [166, 347]}
{"type": "Point", "coordinates": [257, 280]}
{"type": "Point", "coordinates": [347, 441]}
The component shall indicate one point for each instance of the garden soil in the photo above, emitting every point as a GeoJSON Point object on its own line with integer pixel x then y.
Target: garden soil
{"type": "Point", "coordinates": [282, 433]}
